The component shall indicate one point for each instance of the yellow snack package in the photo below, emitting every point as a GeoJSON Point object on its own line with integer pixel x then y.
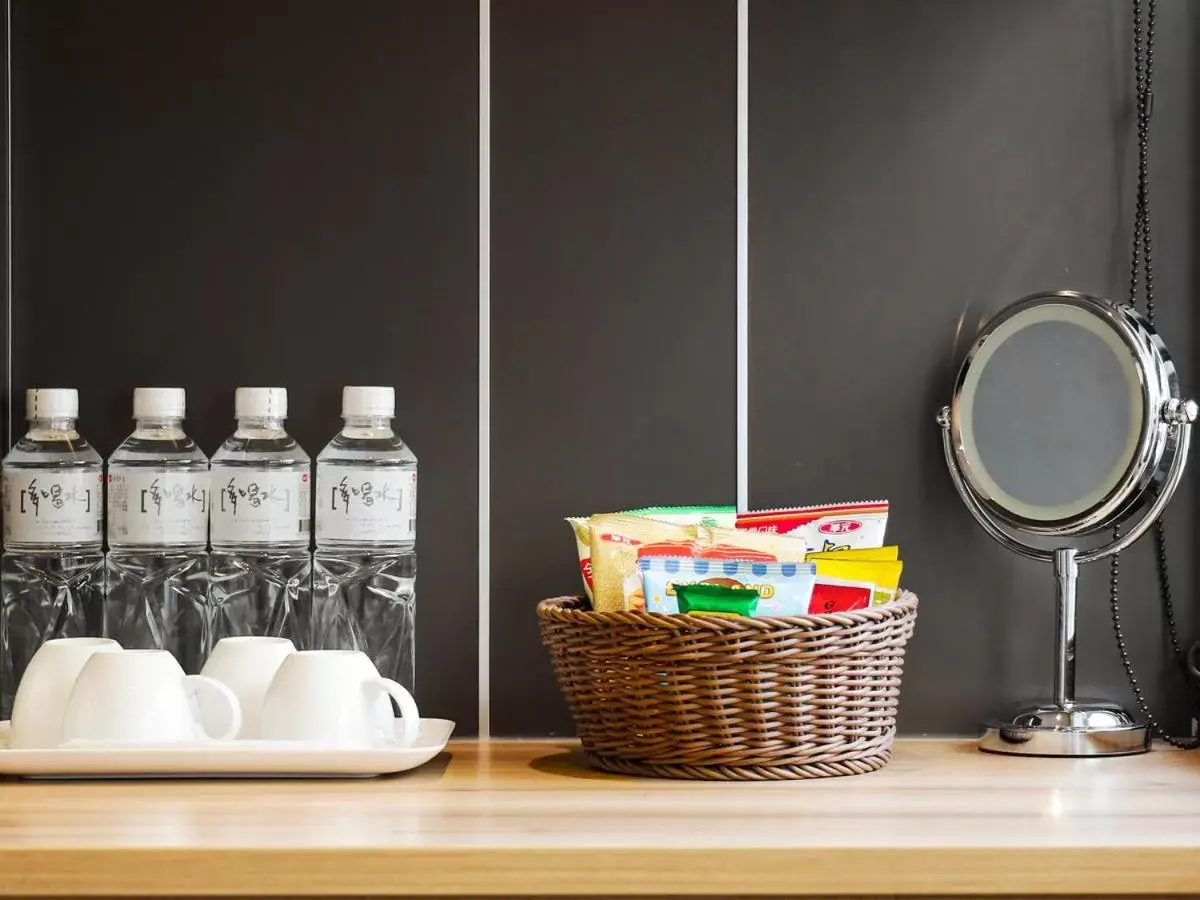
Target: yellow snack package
{"type": "Point", "coordinates": [583, 544]}
{"type": "Point", "coordinates": [867, 554]}
{"type": "Point", "coordinates": [733, 543]}
{"type": "Point", "coordinates": [616, 540]}
{"type": "Point", "coordinates": [844, 584]}
{"type": "Point", "coordinates": [675, 515]}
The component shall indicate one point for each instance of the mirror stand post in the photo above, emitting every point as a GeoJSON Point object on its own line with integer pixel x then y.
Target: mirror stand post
{"type": "Point", "coordinates": [1067, 726]}
{"type": "Point", "coordinates": [1066, 574]}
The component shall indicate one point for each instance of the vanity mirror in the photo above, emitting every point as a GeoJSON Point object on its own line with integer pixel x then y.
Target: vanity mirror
{"type": "Point", "coordinates": [1066, 422]}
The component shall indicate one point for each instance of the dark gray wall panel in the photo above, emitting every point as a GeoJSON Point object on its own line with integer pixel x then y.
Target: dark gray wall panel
{"type": "Point", "coordinates": [222, 193]}
{"type": "Point", "coordinates": [914, 166]}
{"type": "Point", "coordinates": [613, 296]}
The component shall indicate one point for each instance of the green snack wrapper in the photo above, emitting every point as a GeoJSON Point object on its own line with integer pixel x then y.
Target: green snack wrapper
{"type": "Point", "coordinates": [713, 516]}
{"type": "Point", "coordinates": [716, 599]}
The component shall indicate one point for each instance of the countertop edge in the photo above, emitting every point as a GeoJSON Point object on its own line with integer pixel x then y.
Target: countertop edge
{"type": "Point", "coordinates": [494, 871]}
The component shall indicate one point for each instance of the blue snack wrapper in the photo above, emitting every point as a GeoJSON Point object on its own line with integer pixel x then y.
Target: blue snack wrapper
{"type": "Point", "coordinates": [784, 588]}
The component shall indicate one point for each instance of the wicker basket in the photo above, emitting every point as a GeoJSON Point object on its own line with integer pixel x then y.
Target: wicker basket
{"type": "Point", "coordinates": [733, 699]}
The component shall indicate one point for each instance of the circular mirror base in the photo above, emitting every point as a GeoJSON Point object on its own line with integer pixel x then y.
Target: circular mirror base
{"type": "Point", "coordinates": [1079, 728]}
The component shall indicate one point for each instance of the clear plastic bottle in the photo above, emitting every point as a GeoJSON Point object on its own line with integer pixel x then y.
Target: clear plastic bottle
{"type": "Point", "coordinates": [52, 570]}
{"type": "Point", "coordinates": [365, 566]}
{"type": "Point", "coordinates": [260, 569]}
{"type": "Point", "coordinates": [156, 571]}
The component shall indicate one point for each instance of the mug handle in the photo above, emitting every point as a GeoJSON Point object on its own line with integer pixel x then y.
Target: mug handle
{"type": "Point", "coordinates": [409, 715]}
{"type": "Point", "coordinates": [195, 685]}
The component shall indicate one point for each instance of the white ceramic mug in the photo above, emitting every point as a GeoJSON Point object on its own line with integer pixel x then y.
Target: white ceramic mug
{"type": "Point", "coordinates": [143, 697]}
{"type": "Point", "coordinates": [336, 697]}
{"type": "Point", "coordinates": [41, 701]}
{"type": "Point", "coordinates": [246, 666]}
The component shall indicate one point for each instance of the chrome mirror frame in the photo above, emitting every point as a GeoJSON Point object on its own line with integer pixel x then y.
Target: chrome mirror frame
{"type": "Point", "coordinates": [1066, 726]}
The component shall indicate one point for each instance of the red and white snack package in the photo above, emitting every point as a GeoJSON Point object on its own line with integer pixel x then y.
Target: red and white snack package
{"type": "Point", "coordinates": [732, 543]}
{"type": "Point", "coordinates": [839, 526]}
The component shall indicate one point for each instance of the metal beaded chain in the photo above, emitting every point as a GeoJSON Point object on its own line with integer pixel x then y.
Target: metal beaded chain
{"type": "Point", "coordinates": [1142, 267]}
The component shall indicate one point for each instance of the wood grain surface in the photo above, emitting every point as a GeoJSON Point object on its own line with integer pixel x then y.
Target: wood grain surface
{"type": "Point", "coordinates": [525, 818]}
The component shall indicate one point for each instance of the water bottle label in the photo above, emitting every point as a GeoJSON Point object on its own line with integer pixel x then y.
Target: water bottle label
{"type": "Point", "coordinates": [53, 507]}
{"type": "Point", "coordinates": [149, 507]}
{"type": "Point", "coordinates": [259, 506]}
{"type": "Point", "coordinates": [366, 504]}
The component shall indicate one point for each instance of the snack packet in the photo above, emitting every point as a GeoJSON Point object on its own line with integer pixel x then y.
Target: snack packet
{"type": "Point", "coordinates": [881, 579]}
{"type": "Point", "coordinates": [583, 544]}
{"type": "Point", "coordinates": [842, 526]}
{"type": "Point", "coordinates": [732, 543]}
{"type": "Point", "coordinates": [615, 541]}
{"type": "Point", "coordinates": [716, 600]}
{"type": "Point", "coordinates": [834, 595]}
{"type": "Point", "coordinates": [723, 516]}
{"type": "Point", "coordinates": [784, 588]}
{"type": "Point", "coordinates": [677, 515]}
{"type": "Point", "coordinates": [866, 554]}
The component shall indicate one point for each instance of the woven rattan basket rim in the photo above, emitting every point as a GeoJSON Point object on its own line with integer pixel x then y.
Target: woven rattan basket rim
{"type": "Point", "coordinates": [576, 611]}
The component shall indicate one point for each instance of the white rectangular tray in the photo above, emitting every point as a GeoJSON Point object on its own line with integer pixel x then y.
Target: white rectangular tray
{"type": "Point", "coordinates": [224, 759]}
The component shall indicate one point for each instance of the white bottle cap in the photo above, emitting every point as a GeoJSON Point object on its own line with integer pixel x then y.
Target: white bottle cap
{"type": "Point", "coordinates": [158, 403]}
{"type": "Point", "coordinates": [260, 403]}
{"type": "Point", "coordinates": [51, 403]}
{"type": "Point", "coordinates": [368, 401]}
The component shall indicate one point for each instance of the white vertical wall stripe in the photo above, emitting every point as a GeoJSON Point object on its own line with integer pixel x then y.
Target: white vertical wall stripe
{"type": "Point", "coordinates": [8, 215]}
{"type": "Point", "coordinates": [743, 254]}
{"type": "Point", "coordinates": [485, 367]}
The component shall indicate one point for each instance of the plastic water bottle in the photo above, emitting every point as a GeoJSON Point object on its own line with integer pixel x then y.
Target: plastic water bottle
{"type": "Point", "coordinates": [156, 571]}
{"type": "Point", "coordinates": [260, 569]}
{"type": "Point", "coordinates": [366, 562]}
{"type": "Point", "coordinates": [52, 570]}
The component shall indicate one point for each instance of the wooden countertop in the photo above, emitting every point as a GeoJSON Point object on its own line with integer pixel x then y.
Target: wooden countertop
{"type": "Point", "coordinates": [525, 818]}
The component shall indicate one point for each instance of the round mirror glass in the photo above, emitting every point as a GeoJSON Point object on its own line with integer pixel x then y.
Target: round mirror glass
{"type": "Point", "coordinates": [1052, 409]}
